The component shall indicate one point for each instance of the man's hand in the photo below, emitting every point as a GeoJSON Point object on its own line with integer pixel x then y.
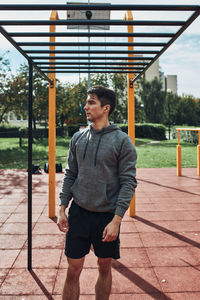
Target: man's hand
{"type": "Point", "coordinates": [112, 229]}
{"type": "Point", "coordinates": [62, 221]}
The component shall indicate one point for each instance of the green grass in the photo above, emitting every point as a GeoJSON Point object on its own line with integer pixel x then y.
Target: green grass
{"type": "Point", "coordinates": [14, 157]}
{"type": "Point", "coordinates": [150, 155]}
{"type": "Point", "coordinates": [163, 154]}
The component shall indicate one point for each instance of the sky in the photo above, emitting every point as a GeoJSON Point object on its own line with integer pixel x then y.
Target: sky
{"type": "Point", "coordinates": [182, 58]}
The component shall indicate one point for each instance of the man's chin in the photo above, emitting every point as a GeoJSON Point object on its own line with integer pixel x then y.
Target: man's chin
{"type": "Point", "coordinates": [89, 118]}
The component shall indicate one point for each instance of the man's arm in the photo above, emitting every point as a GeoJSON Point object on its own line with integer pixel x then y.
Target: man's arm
{"type": "Point", "coordinates": [65, 194]}
{"type": "Point", "coordinates": [127, 176]}
{"type": "Point", "coordinates": [69, 177]}
{"type": "Point", "coordinates": [128, 183]}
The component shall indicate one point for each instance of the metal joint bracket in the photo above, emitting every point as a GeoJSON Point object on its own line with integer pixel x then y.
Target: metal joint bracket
{"type": "Point", "coordinates": [51, 83]}
{"type": "Point", "coordinates": [131, 81]}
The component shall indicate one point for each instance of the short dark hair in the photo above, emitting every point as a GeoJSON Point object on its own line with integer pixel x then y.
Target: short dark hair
{"type": "Point", "coordinates": [105, 96]}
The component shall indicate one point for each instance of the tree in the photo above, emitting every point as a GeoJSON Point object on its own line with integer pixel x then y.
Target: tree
{"type": "Point", "coordinates": [5, 76]}
{"type": "Point", "coordinates": [171, 108]}
{"type": "Point", "coordinates": [139, 111]}
{"type": "Point", "coordinates": [188, 111]}
{"type": "Point", "coordinates": [40, 93]}
{"type": "Point", "coordinates": [118, 83]}
{"type": "Point", "coordinates": [70, 102]}
{"type": "Point", "coordinates": [153, 98]}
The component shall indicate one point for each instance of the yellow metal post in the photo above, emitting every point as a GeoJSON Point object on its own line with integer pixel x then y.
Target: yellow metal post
{"type": "Point", "coordinates": [198, 154]}
{"type": "Point", "coordinates": [52, 127]}
{"type": "Point", "coordinates": [131, 102]}
{"type": "Point", "coordinates": [178, 155]}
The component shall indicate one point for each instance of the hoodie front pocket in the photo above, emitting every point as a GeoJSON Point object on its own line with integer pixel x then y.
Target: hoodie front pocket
{"type": "Point", "coordinates": [90, 194]}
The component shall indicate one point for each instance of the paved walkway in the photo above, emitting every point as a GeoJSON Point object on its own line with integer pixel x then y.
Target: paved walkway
{"type": "Point", "coordinates": [160, 247]}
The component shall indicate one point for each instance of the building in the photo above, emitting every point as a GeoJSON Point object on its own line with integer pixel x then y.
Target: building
{"type": "Point", "coordinates": [153, 71]}
{"type": "Point", "coordinates": [171, 83]}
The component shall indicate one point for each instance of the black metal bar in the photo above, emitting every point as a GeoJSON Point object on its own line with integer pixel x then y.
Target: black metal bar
{"type": "Point", "coordinates": [178, 33]}
{"type": "Point", "coordinates": [44, 69]}
{"type": "Point", "coordinates": [40, 63]}
{"type": "Point", "coordinates": [98, 7]}
{"type": "Point", "coordinates": [6, 35]}
{"type": "Point", "coordinates": [92, 51]}
{"type": "Point", "coordinates": [88, 71]}
{"type": "Point", "coordinates": [92, 34]}
{"type": "Point", "coordinates": [30, 116]}
{"type": "Point", "coordinates": [94, 57]}
{"type": "Point", "coordinates": [91, 22]}
{"type": "Point", "coordinates": [92, 44]}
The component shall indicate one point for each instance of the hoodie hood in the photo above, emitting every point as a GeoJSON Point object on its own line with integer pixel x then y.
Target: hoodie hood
{"type": "Point", "coordinates": [107, 129]}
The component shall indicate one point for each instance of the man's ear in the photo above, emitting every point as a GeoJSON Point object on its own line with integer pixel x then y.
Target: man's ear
{"type": "Point", "coordinates": [107, 108]}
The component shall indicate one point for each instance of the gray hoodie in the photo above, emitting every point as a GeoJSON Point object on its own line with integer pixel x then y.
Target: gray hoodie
{"type": "Point", "coordinates": [100, 175]}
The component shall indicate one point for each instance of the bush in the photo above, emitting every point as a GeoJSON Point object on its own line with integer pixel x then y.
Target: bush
{"type": "Point", "coordinates": [40, 133]}
{"type": "Point", "coordinates": [7, 131]}
{"type": "Point", "coordinates": [150, 131]}
{"type": "Point", "coordinates": [74, 128]}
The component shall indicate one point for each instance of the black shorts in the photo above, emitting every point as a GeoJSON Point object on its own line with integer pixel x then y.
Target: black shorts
{"type": "Point", "coordinates": [86, 229]}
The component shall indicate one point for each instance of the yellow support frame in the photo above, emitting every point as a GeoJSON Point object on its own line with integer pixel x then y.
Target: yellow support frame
{"type": "Point", "coordinates": [131, 101]}
{"type": "Point", "coordinates": [52, 117]}
{"type": "Point", "coordinates": [52, 127]}
{"type": "Point", "coordinates": [178, 150]}
{"type": "Point", "coordinates": [198, 154]}
{"type": "Point", "coordinates": [178, 155]}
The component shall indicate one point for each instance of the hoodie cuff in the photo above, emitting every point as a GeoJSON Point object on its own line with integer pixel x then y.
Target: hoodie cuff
{"type": "Point", "coordinates": [64, 202]}
{"type": "Point", "coordinates": [120, 211]}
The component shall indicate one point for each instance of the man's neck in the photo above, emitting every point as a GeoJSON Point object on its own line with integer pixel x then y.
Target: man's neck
{"type": "Point", "coordinates": [101, 124]}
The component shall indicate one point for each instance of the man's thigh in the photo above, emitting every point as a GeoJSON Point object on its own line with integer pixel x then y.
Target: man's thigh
{"type": "Point", "coordinates": [105, 249]}
{"type": "Point", "coordinates": [78, 241]}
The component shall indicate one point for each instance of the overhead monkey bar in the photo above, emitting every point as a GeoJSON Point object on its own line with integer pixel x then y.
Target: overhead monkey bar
{"type": "Point", "coordinates": [91, 34]}
{"type": "Point", "coordinates": [94, 44]}
{"type": "Point", "coordinates": [125, 7]}
{"type": "Point", "coordinates": [90, 22]}
{"type": "Point", "coordinates": [52, 61]}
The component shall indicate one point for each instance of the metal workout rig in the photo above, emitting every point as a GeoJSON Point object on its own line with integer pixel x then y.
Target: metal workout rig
{"type": "Point", "coordinates": [133, 62]}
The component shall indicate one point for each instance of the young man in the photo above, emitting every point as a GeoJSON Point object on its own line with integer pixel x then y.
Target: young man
{"type": "Point", "coordinates": [100, 178]}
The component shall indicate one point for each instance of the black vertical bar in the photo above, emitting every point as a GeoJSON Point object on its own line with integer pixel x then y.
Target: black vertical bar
{"type": "Point", "coordinates": [30, 111]}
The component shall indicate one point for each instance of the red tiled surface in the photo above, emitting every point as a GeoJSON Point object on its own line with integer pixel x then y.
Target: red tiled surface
{"type": "Point", "coordinates": [42, 258]}
{"type": "Point", "coordinates": [160, 247]}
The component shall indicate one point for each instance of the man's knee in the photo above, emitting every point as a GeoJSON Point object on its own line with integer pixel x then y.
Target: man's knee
{"type": "Point", "coordinates": [75, 267]}
{"type": "Point", "coordinates": [104, 264]}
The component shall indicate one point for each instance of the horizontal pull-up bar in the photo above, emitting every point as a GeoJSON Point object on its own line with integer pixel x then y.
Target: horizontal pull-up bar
{"type": "Point", "coordinates": [90, 44]}
{"type": "Point", "coordinates": [97, 7]}
{"type": "Point", "coordinates": [91, 22]}
{"type": "Point", "coordinates": [94, 57]}
{"type": "Point", "coordinates": [92, 67]}
{"type": "Point", "coordinates": [91, 34]}
{"type": "Point", "coordinates": [88, 71]}
{"type": "Point", "coordinates": [40, 63]}
{"type": "Point", "coordinates": [92, 51]}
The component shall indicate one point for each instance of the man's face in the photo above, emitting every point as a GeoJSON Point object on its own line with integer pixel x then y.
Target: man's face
{"type": "Point", "coordinates": [93, 108]}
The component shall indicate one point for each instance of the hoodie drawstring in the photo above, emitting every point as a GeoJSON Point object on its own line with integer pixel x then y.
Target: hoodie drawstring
{"type": "Point", "coordinates": [95, 157]}
{"type": "Point", "coordinates": [98, 145]}
{"type": "Point", "coordinates": [85, 150]}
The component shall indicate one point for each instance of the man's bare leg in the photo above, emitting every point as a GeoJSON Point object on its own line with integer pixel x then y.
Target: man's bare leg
{"type": "Point", "coordinates": [104, 281]}
{"type": "Point", "coordinates": [71, 289]}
